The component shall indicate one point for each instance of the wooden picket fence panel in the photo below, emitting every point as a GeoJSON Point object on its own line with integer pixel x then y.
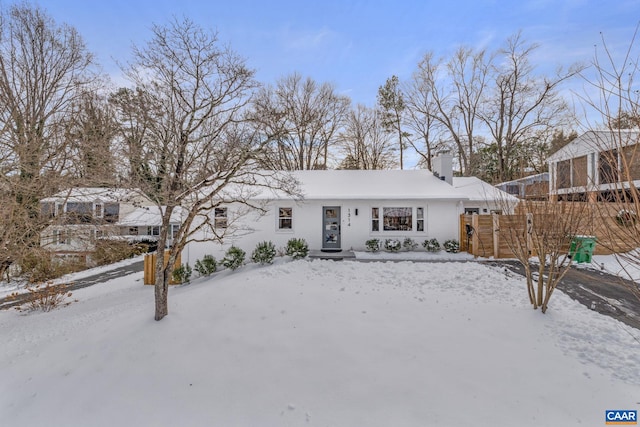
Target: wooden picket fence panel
{"type": "Point", "coordinates": [150, 267]}
{"type": "Point", "coordinates": [487, 240]}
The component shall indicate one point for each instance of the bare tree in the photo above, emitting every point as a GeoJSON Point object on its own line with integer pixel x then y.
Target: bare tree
{"type": "Point", "coordinates": [306, 116]}
{"type": "Point", "coordinates": [364, 141]}
{"type": "Point", "coordinates": [90, 133]}
{"type": "Point", "coordinates": [457, 88]}
{"type": "Point", "coordinates": [427, 137]}
{"type": "Point", "coordinates": [612, 97]}
{"type": "Point", "coordinates": [44, 67]}
{"type": "Point", "coordinates": [539, 237]}
{"type": "Point", "coordinates": [135, 111]}
{"type": "Point", "coordinates": [519, 105]}
{"type": "Point", "coordinates": [201, 145]}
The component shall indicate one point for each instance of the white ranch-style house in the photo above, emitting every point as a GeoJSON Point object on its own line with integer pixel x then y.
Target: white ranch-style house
{"type": "Point", "coordinates": [342, 209]}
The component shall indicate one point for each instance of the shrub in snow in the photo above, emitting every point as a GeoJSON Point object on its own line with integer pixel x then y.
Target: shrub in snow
{"type": "Point", "coordinates": [233, 258]}
{"type": "Point", "coordinates": [392, 245]}
{"type": "Point", "coordinates": [264, 253]}
{"type": "Point", "coordinates": [297, 248]}
{"type": "Point", "coordinates": [409, 244]}
{"type": "Point", "coordinates": [431, 245]}
{"type": "Point", "coordinates": [39, 265]}
{"type": "Point", "coordinates": [43, 297]}
{"type": "Point", "coordinates": [182, 274]}
{"type": "Point", "coordinates": [207, 266]}
{"type": "Point", "coordinates": [372, 245]}
{"type": "Point", "coordinates": [110, 251]}
{"type": "Point", "coordinates": [451, 246]}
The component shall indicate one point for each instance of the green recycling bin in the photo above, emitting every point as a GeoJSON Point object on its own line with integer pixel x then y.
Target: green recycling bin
{"type": "Point", "coordinates": [581, 248]}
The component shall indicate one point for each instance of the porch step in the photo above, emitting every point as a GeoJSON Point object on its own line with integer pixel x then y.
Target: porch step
{"type": "Point", "coordinates": [335, 256]}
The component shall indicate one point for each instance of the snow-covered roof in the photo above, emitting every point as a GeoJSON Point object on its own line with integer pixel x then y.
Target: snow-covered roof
{"type": "Point", "coordinates": [150, 216]}
{"type": "Point", "coordinates": [531, 179]}
{"type": "Point", "coordinates": [92, 194]}
{"type": "Point", "coordinates": [595, 141]}
{"type": "Point", "coordinates": [478, 190]}
{"type": "Point", "coordinates": [375, 185]}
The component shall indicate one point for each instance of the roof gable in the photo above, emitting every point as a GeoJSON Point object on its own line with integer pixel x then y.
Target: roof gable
{"type": "Point", "coordinates": [595, 141]}
{"type": "Point", "coordinates": [478, 190]}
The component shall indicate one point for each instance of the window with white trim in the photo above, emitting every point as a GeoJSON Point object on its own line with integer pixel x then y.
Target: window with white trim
{"type": "Point", "coordinates": [419, 219]}
{"type": "Point", "coordinates": [60, 237]}
{"type": "Point", "coordinates": [285, 218]}
{"type": "Point", "coordinates": [220, 218]}
{"type": "Point", "coordinates": [153, 230]}
{"type": "Point", "coordinates": [375, 219]}
{"type": "Point", "coordinates": [98, 210]}
{"type": "Point", "coordinates": [174, 230]}
{"type": "Point", "coordinates": [396, 219]}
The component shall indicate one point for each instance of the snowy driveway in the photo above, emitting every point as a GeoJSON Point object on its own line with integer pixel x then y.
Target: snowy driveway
{"type": "Point", "coordinates": [599, 291]}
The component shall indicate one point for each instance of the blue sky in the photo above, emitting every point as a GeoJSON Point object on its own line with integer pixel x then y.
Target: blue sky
{"type": "Point", "coordinates": [357, 45]}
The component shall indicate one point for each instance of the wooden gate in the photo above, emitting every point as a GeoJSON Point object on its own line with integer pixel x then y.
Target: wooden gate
{"type": "Point", "coordinates": [150, 267]}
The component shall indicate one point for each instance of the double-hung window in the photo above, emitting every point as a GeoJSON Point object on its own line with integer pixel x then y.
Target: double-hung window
{"type": "Point", "coordinates": [285, 218]}
{"type": "Point", "coordinates": [60, 237]}
{"type": "Point", "coordinates": [220, 218]}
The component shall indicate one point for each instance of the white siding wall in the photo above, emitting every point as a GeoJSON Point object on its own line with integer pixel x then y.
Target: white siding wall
{"type": "Point", "coordinates": [441, 221]}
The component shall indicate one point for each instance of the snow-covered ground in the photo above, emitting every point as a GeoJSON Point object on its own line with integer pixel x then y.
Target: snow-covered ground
{"type": "Point", "coordinates": [319, 343]}
{"type": "Point", "coordinates": [625, 266]}
{"type": "Point", "coordinates": [20, 286]}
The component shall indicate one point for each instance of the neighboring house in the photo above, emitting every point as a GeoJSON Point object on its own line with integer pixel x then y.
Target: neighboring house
{"type": "Point", "coordinates": [341, 210]}
{"type": "Point", "coordinates": [81, 216]}
{"type": "Point", "coordinates": [484, 198]}
{"type": "Point", "coordinates": [143, 224]}
{"type": "Point", "coordinates": [590, 168]}
{"type": "Point", "coordinates": [532, 187]}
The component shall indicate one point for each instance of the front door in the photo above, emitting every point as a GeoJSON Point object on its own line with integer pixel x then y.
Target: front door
{"type": "Point", "coordinates": [331, 228]}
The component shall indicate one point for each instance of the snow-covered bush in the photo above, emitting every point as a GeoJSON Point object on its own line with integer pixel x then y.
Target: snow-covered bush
{"type": "Point", "coordinates": [431, 245]}
{"type": "Point", "coordinates": [181, 274]}
{"type": "Point", "coordinates": [233, 258]}
{"type": "Point", "coordinates": [207, 266]}
{"type": "Point", "coordinates": [392, 245]}
{"type": "Point", "coordinates": [409, 244]}
{"type": "Point", "coordinates": [451, 246]}
{"type": "Point", "coordinates": [372, 245]}
{"type": "Point", "coordinates": [264, 253]}
{"type": "Point", "coordinates": [297, 248]}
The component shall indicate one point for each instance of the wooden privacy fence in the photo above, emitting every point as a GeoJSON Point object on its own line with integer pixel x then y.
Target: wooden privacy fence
{"type": "Point", "coordinates": [480, 235]}
{"type": "Point", "coordinates": [150, 267]}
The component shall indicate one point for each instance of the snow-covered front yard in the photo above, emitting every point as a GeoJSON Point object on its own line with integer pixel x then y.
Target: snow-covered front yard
{"type": "Point", "coordinates": [318, 343]}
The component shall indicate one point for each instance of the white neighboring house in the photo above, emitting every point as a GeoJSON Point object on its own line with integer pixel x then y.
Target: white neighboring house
{"type": "Point", "coordinates": [341, 210]}
{"type": "Point", "coordinates": [143, 224]}
{"type": "Point", "coordinates": [81, 216]}
{"type": "Point", "coordinates": [532, 187]}
{"type": "Point", "coordinates": [589, 167]}
{"type": "Point", "coordinates": [484, 198]}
